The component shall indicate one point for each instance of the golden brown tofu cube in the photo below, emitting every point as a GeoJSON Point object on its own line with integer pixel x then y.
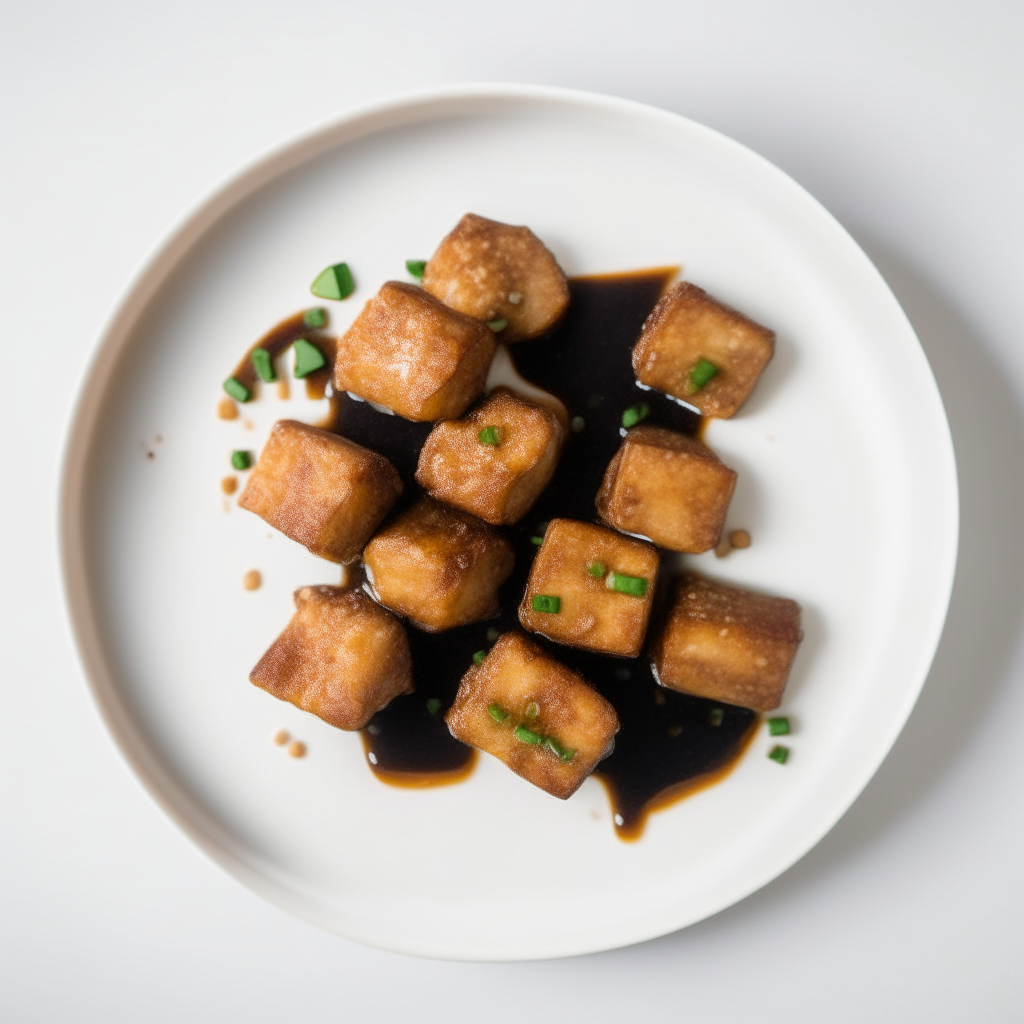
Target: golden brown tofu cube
{"type": "Point", "coordinates": [438, 567]}
{"type": "Point", "coordinates": [494, 271]}
{"type": "Point", "coordinates": [500, 477]}
{"type": "Point", "coordinates": [321, 489]}
{"type": "Point", "coordinates": [534, 714]}
{"type": "Point", "coordinates": [669, 487]}
{"type": "Point", "coordinates": [342, 657]}
{"type": "Point", "coordinates": [414, 355]}
{"type": "Point", "coordinates": [728, 644]}
{"type": "Point", "coordinates": [591, 587]}
{"type": "Point", "coordinates": [694, 348]}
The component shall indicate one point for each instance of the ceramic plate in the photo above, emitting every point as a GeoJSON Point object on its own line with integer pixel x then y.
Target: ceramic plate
{"type": "Point", "coordinates": [846, 482]}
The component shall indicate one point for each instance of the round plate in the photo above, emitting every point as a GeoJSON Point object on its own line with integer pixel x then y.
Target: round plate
{"type": "Point", "coordinates": [847, 484]}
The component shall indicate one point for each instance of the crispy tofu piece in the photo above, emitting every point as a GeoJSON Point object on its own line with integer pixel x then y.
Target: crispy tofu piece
{"type": "Point", "coordinates": [438, 567]}
{"type": "Point", "coordinates": [688, 328]}
{"type": "Point", "coordinates": [575, 566]}
{"type": "Point", "coordinates": [414, 355]}
{"type": "Point", "coordinates": [342, 657]}
{"type": "Point", "coordinates": [321, 489]}
{"type": "Point", "coordinates": [534, 714]}
{"type": "Point", "coordinates": [496, 482]}
{"type": "Point", "coordinates": [494, 271]}
{"type": "Point", "coordinates": [728, 644]}
{"type": "Point", "coordinates": [669, 487]}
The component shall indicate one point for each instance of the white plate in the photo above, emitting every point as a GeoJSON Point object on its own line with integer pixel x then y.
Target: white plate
{"type": "Point", "coordinates": [847, 483]}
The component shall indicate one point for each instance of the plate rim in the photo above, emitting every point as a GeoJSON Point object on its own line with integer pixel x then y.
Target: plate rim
{"type": "Point", "coordinates": [155, 267]}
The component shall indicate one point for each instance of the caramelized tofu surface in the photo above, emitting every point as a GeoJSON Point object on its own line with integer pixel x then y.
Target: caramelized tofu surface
{"type": "Point", "coordinates": [414, 355]}
{"type": "Point", "coordinates": [669, 487]}
{"type": "Point", "coordinates": [491, 271]}
{"type": "Point", "coordinates": [342, 657]}
{"type": "Point", "coordinates": [574, 566]}
{"type": "Point", "coordinates": [534, 714]}
{"type": "Point", "coordinates": [438, 567]}
{"type": "Point", "coordinates": [688, 328]}
{"type": "Point", "coordinates": [728, 644]}
{"type": "Point", "coordinates": [498, 482]}
{"type": "Point", "coordinates": [321, 489]}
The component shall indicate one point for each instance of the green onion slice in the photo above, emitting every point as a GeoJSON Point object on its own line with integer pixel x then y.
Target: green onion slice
{"type": "Point", "coordinates": [536, 540]}
{"type": "Point", "coordinates": [478, 658]}
{"type": "Point", "coordinates": [702, 373]}
{"type": "Point", "coordinates": [334, 283]}
{"type": "Point", "coordinates": [779, 753]}
{"type": "Point", "coordinates": [635, 413]}
{"type": "Point", "coordinates": [546, 603]}
{"type": "Point", "coordinates": [264, 365]}
{"type": "Point", "coordinates": [497, 712]}
{"type": "Point", "coordinates": [596, 569]}
{"type": "Point", "coordinates": [237, 390]}
{"type": "Point", "coordinates": [416, 267]}
{"type": "Point", "coordinates": [489, 436]}
{"type": "Point", "coordinates": [716, 716]}
{"type": "Point", "coordinates": [556, 748]}
{"type": "Point", "coordinates": [532, 709]}
{"type": "Point", "coordinates": [527, 735]}
{"type": "Point", "coordinates": [241, 460]}
{"type": "Point", "coordinates": [623, 584]}
{"type": "Point", "coordinates": [778, 726]}
{"type": "Point", "coordinates": [497, 325]}
{"type": "Point", "coordinates": [314, 317]}
{"type": "Point", "coordinates": [307, 358]}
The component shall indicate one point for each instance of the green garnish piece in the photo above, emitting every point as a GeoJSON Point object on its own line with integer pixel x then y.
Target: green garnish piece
{"type": "Point", "coordinates": [307, 358]}
{"type": "Point", "coordinates": [596, 569]}
{"type": "Point", "coordinates": [532, 709]}
{"type": "Point", "coordinates": [497, 325]}
{"type": "Point", "coordinates": [546, 603]}
{"type": "Point", "coordinates": [314, 317]}
{"type": "Point", "coordinates": [556, 748]}
{"type": "Point", "coordinates": [241, 460]}
{"type": "Point", "coordinates": [489, 436]}
{"type": "Point", "coordinates": [527, 735]}
{"type": "Point", "coordinates": [334, 283]}
{"type": "Point", "coordinates": [716, 716]}
{"type": "Point", "coordinates": [433, 706]}
{"type": "Point", "coordinates": [623, 584]}
{"type": "Point", "coordinates": [478, 658]}
{"type": "Point", "coordinates": [779, 753]}
{"type": "Point", "coordinates": [515, 298]}
{"type": "Point", "coordinates": [537, 540]}
{"type": "Point", "coordinates": [778, 726]}
{"type": "Point", "coordinates": [497, 712]}
{"type": "Point", "coordinates": [635, 413]}
{"type": "Point", "coordinates": [237, 390]}
{"type": "Point", "coordinates": [702, 373]}
{"type": "Point", "coordinates": [264, 365]}
{"type": "Point", "coordinates": [416, 267]}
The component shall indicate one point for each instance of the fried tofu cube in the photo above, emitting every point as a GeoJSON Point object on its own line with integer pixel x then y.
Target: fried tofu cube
{"type": "Point", "coordinates": [534, 714]}
{"type": "Point", "coordinates": [494, 271]}
{"type": "Point", "coordinates": [500, 477]}
{"type": "Point", "coordinates": [321, 489]}
{"type": "Point", "coordinates": [342, 657]}
{"type": "Point", "coordinates": [591, 587]}
{"type": "Point", "coordinates": [728, 644]}
{"type": "Point", "coordinates": [414, 355]}
{"type": "Point", "coordinates": [438, 567]}
{"type": "Point", "coordinates": [694, 348]}
{"type": "Point", "coordinates": [669, 487]}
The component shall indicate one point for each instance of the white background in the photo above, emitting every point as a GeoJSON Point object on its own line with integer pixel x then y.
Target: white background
{"type": "Point", "coordinates": [905, 119]}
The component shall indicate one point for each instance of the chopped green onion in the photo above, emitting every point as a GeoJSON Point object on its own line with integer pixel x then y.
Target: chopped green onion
{"type": "Point", "coordinates": [416, 267]}
{"type": "Point", "coordinates": [623, 584]}
{"type": "Point", "coordinates": [264, 365]}
{"type": "Point", "coordinates": [478, 658]}
{"type": "Point", "coordinates": [497, 325]}
{"type": "Point", "coordinates": [536, 540]}
{"type": "Point", "coordinates": [489, 436]}
{"type": "Point", "coordinates": [778, 726]}
{"type": "Point", "coordinates": [556, 748]}
{"type": "Point", "coordinates": [532, 709]}
{"type": "Point", "coordinates": [241, 460]}
{"type": "Point", "coordinates": [237, 390]}
{"type": "Point", "coordinates": [526, 735]}
{"type": "Point", "coordinates": [779, 753]}
{"type": "Point", "coordinates": [596, 569]}
{"type": "Point", "coordinates": [635, 413]}
{"type": "Point", "coordinates": [334, 283]}
{"type": "Point", "coordinates": [716, 716]}
{"type": "Point", "coordinates": [307, 358]}
{"type": "Point", "coordinates": [546, 603]}
{"type": "Point", "coordinates": [702, 373]}
{"type": "Point", "coordinates": [497, 712]}
{"type": "Point", "coordinates": [433, 706]}
{"type": "Point", "coordinates": [314, 317]}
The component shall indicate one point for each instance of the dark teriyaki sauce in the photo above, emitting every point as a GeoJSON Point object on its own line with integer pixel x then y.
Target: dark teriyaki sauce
{"type": "Point", "coordinates": [670, 744]}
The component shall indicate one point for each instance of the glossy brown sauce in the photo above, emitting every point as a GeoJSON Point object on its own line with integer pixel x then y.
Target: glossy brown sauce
{"type": "Point", "coordinates": [668, 746]}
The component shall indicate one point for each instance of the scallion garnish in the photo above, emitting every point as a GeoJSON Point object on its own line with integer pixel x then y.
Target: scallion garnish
{"type": "Point", "coordinates": [478, 658]}
{"type": "Point", "coordinates": [433, 706]}
{"type": "Point", "coordinates": [536, 540]}
{"type": "Point", "coordinates": [635, 413]}
{"type": "Point", "coordinates": [497, 325]}
{"type": "Point", "coordinates": [314, 317]}
{"type": "Point", "coordinates": [307, 358]}
{"type": "Point", "coordinates": [532, 709]}
{"type": "Point", "coordinates": [264, 365]}
{"type": "Point", "coordinates": [489, 436]}
{"type": "Point", "coordinates": [497, 712]}
{"type": "Point", "coordinates": [556, 748]}
{"type": "Point", "coordinates": [778, 726]}
{"type": "Point", "coordinates": [526, 735]}
{"type": "Point", "coordinates": [716, 716]}
{"type": "Point", "coordinates": [334, 283]}
{"type": "Point", "coordinates": [779, 753]}
{"type": "Point", "coordinates": [546, 603]}
{"type": "Point", "coordinates": [416, 267]}
{"type": "Point", "coordinates": [237, 390]}
{"type": "Point", "coordinates": [702, 373]}
{"type": "Point", "coordinates": [623, 584]}
{"type": "Point", "coordinates": [596, 569]}
{"type": "Point", "coordinates": [241, 460]}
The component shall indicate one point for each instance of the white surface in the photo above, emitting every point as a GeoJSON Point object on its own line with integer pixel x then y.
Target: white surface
{"type": "Point", "coordinates": [828, 447]}
{"type": "Point", "coordinates": [903, 119]}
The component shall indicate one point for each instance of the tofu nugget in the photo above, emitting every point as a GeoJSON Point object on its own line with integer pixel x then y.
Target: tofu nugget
{"type": "Point", "coordinates": [494, 272]}
{"type": "Point", "coordinates": [414, 355]}
{"type": "Point", "coordinates": [534, 714]}
{"type": "Point", "coordinates": [342, 657]}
